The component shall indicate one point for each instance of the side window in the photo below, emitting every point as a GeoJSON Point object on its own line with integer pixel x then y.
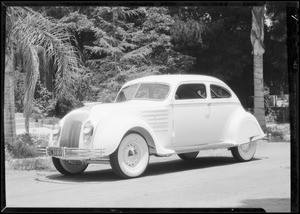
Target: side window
{"type": "Point", "coordinates": [152, 91]}
{"type": "Point", "coordinates": [217, 91]}
{"type": "Point", "coordinates": [191, 91]}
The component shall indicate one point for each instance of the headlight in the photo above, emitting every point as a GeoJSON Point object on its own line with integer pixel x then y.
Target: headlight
{"type": "Point", "coordinates": [88, 128]}
{"type": "Point", "coordinates": [56, 129]}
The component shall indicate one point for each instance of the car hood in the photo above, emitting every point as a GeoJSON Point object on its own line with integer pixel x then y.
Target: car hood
{"type": "Point", "coordinates": [97, 111]}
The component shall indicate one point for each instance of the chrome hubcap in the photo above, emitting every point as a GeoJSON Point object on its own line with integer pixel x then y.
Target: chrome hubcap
{"type": "Point", "coordinates": [131, 155]}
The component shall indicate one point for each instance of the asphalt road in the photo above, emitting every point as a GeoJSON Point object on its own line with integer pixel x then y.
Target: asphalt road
{"type": "Point", "coordinates": [212, 180]}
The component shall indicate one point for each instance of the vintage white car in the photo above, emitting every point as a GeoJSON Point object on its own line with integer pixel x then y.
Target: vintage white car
{"type": "Point", "coordinates": [155, 115]}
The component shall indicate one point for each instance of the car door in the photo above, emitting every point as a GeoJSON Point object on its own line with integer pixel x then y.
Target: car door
{"type": "Point", "coordinates": [222, 106]}
{"type": "Point", "coordinates": [191, 115]}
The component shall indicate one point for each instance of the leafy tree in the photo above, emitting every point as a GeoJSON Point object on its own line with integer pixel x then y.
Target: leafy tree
{"type": "Point", "coordinates": [123, 43]}
{"type": "Point", "coordinates": [211, 40]}
{"type": "Point", "coordinates": [187, 35]}
{"type": "Point", "coordinates": [225, 51]}
{"type": "Point", "coordinates": [275, 58]}
{"type": "Point", "coordinates": [225, 47]}
{"type": "Point", "coordinates": [107, 53]}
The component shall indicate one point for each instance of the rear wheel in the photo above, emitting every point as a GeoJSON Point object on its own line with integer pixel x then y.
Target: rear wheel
{"type": "Point", "coordinates": [69, 167]}
{"type": "Point", "coordinates": [131, 158]}
{"type": "Point", "coordinates": [188, 156]}
{"type": "Point", "coordinates": [244, 152]}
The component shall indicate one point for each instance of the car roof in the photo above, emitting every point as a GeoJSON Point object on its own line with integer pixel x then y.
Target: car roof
{"type": "Point", "coordinates": [174, 79]}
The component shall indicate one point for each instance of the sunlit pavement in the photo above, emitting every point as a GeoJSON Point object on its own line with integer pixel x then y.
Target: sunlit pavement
{"type": "Point", "coordinates": [214, 179]}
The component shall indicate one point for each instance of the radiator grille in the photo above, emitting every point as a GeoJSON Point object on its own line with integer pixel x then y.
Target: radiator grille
{"type": "Point", "coordinates": [70, 133]}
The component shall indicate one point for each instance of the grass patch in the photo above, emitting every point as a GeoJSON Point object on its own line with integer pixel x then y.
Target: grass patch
{"type": "Point", "coordinates": [23, 155]}
{"type": "Point", "coordinates": [42, 163]}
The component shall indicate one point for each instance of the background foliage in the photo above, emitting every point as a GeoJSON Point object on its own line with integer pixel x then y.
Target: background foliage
{"type": "Point", "coordinates": [117, 44]}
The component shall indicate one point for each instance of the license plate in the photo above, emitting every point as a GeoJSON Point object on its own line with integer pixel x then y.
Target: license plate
{"type": "Point", "coordinates": [56, 152]}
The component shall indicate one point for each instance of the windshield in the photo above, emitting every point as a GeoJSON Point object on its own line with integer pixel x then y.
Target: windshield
{"type": "Point", "coordinates": [147, 91]}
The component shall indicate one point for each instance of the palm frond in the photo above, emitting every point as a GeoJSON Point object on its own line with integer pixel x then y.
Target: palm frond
{"type": "Point", "coordinates": [33, 29]}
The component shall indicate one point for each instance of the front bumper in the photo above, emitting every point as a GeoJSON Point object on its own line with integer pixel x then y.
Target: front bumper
{"type": "Point", "coordinates": [73, 153]}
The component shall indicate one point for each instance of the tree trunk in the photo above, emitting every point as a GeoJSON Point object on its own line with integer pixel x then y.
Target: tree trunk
{"type": "Point", "coordinates": [50, 72]}
{"type": "Point", "coordinates": [257, 38]}
{"type": "Point", "coordinates": [259, 108]}
{"type": "Point", "coordinates": [43, 65]}
{"type": "Point", "coordinates": [32, 72]}
{"type": "Point", "coordinates": [9, 98]}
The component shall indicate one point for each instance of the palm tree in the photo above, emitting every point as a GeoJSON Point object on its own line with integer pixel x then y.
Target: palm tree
{"type": "Point", "coordinates": [29, 33]}
{"type": "Point", "coordinates": [257, 38]}
{"type": "Point", "coordinates": [9, 103]}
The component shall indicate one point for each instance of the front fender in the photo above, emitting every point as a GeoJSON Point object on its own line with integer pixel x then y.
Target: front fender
{"type": "Point", "coordinates": [110, 131]}
{"type": "Point", "coordinates": [243, 127]}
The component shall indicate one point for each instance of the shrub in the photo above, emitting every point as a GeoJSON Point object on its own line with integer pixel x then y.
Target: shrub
{"type": "Point", "coordinates": [271, 115]}
{"type": "Point", "coordinates": [23, 147]}
{"type": "Point", "coordinates": [50, 120]}
{"type": "Point", "coordinates": [282, 114]}
{"type": "Point", "coordinates": [40, 139]}
{"type": "Point", "coordinates": [278, 131]}
{"type": "Point", "coordinates": [26, 145]}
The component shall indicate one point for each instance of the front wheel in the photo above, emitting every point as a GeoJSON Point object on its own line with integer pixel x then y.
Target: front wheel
{"type": "Point", "coordinates": [131, 158]}
{"type": "Point", "coordinates": [69, 167]}
{"type": "Point", "coordinates": [244, 152]}
{"type": "Point", "coordinates": [188, 156]}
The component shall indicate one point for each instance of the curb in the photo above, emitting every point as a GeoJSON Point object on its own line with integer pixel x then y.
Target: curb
{"type": "Point", "coordinates": [37, 163]}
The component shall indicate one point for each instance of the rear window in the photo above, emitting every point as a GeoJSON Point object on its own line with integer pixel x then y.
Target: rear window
{"type": "Point", "coordinates": [217, 91]}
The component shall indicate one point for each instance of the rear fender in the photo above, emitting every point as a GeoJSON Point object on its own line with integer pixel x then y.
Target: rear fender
{"type": "Point", "coordinates": [243, 128]}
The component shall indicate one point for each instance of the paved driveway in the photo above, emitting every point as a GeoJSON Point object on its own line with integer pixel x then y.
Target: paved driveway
{"type": "Point", "coordinates": [213, 180]}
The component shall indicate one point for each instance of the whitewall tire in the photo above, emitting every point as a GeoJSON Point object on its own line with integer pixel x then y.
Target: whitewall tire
{"type": "Point", "coordinates": [131, 158]}
{"type": "Point", "coordinates": [244, 152]}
